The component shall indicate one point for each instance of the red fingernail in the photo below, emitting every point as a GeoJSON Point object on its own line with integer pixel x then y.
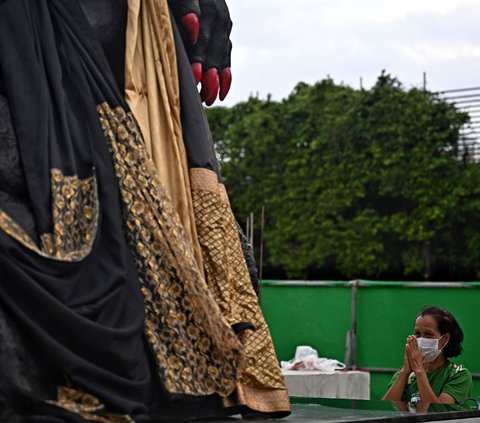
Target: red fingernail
{"type": "Point", "coordinates": [191, 23]}
{"type": "Point", "coordinates": [197, 71]}
{"type": "Point", "coordinates": [210, 86]}
{"type": "Point", "coordinates": [225, 82]}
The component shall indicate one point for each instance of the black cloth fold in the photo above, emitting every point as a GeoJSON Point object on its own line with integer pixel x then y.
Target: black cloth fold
{"type": "Point", "coordinates": [85, 317]}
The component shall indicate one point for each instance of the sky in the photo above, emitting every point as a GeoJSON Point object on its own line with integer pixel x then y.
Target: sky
{"type": "Point", "coordinates": [278, 43]}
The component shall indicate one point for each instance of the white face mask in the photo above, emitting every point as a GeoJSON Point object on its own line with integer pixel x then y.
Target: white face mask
{"type": "Point", "coordinates": [429, 348]}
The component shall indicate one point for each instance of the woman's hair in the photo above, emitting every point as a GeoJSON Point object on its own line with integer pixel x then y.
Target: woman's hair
{"type": "Point", "coordinates": [446, 323]}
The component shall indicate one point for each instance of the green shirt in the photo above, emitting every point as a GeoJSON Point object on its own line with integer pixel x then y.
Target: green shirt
{"type": "Point", "coordinates": [452, 379]}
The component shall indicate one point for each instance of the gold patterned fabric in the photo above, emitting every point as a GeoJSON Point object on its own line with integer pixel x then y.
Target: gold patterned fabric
{"type": "Point", "coordinates": [264, 400]}
{"type": "Point", "coordinates": [196, 350]}
{"type": "Point", "coordinates": [86, 406]}
{"type": "Point", "coordinates": [261, 387]}
{"type": "Point", "coordinates": [74, 215]}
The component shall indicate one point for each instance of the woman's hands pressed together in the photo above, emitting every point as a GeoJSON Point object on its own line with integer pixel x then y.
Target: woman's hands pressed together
{"type": "Point", "coordinates": [414, 355]}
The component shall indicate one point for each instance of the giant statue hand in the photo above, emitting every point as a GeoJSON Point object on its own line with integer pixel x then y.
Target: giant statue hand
{"type": "Point", "coordinates": [205, 26]}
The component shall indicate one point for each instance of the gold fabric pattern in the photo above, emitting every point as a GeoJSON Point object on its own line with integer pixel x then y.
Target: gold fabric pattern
{"type": "Point", "coordinates": [87, 406]}
{"type": "Point", "coordinates": [264, 400]}
{"type": "Point", "coordinates": [10, 227]}
{"type": "Point", "coordinates": [229, 281]}
{"type": "Point", "coordinates": [196, 350]}
{"type": "Point", "coordinates": [74, 215]}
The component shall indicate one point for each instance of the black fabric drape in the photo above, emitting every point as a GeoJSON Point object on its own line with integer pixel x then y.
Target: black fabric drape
{"type": "Point", "coordinates": [108, 20]}
{"type": "Point", "coordinates": [85, 317]}
{"type": "Point", "coordinates": [14, 198]}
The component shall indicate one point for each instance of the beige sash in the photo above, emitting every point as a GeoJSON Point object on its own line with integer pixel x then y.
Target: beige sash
{"type": "Point", "coordinates": [152, 93]}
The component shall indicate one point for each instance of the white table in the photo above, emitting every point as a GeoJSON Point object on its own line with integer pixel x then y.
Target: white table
{"type": "Point", "coordinates": [316, 384]}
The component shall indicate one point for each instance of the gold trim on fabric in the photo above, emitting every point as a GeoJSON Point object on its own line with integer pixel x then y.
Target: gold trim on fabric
{"type": "Point", "coordinates": [74, 215]}
{"type": "Point", "coordinates": [10, 227]}
{"type": "Point", "coordinates": [229, 281]}
{"type": "Point", "coordinates": [196, 350]}
{"type": "Point", "coordinates": [86, 406]}
{"type": "Point", "coordinates": [205, 179]}
{"type": "Point", "coordinates": [222, 192]}
{"type": "Point", "coordinates": [262, 400]}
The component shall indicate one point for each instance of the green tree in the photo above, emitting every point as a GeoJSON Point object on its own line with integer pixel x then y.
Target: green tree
{"type": "Point", "coordinates": [362, 183]}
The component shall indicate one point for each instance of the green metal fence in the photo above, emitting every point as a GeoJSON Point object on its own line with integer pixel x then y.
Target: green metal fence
{"type": "Point", "coordinates": [366, 322]}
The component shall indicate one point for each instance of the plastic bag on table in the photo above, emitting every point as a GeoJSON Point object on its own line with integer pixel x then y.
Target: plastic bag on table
{"type": "Point", "coordinates": [306, 358]}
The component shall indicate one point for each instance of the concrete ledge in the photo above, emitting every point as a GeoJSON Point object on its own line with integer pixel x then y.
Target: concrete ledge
{"type": "Point", "coordinates": [317, 384]}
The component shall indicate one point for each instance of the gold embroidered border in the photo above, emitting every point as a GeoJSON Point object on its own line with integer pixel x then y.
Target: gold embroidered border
{"type": "Point", "coordinates": [207, 180]}
{"type": "Point", "coordinates": [222, 192]}
{"type": "Point", "coordinates": [86, 406]}
{"type": "Point", "coordinates": [229, 280]}
{"type": "Point", "coordinates": [262, 400]}
{"type": "Point", "coordinates": [74, 215]}
{"type": "Point", "coordinates": [203, 179]}
{"type": "Point", "coordinates": [196, 350]}
{"type": "Point", "coordinates": [10, 227]}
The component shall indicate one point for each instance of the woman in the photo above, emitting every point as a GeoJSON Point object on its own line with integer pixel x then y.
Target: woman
{"type": "Point", "coordinates": [428, 379]}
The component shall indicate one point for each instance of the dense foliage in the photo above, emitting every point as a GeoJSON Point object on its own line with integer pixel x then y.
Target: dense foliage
{"type": "Point", "coordinates": [355, 183]}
